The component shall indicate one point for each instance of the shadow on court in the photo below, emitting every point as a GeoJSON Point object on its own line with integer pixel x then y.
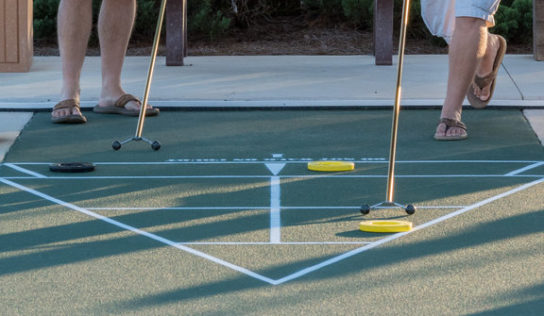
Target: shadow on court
{"type": "Point", "coordinates": [364, 269]}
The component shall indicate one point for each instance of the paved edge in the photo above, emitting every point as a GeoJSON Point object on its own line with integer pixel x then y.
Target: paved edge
{"type": "Point", "coordinates": [536, 120]}
{"type": "Point", "coordinates": [279, 103]}
{"type": "Point", "coordinates": [12, 124]}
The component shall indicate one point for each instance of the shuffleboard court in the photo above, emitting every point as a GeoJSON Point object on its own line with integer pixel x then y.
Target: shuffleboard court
{"type": "Point", "coordinates": [227, 219]}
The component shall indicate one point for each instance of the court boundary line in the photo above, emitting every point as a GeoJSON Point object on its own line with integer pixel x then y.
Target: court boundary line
{"type": "Point", "coordinates": [267, 243]}
{"type": "Point", "coordinates": [182, 161]}
{"type": "Point", "coordinates": [276, 164]}
{"type": "Point", "coordinates": [301, 176]}
{"type": "Point", "coordinates": [24, 170]}
{"type": "Point", "coordinates": [246, 208]}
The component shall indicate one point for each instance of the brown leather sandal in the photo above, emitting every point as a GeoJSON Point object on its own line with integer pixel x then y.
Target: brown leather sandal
{"type": "Point", "coordinates": [485, 81]}
{"type": "Point", "coordinates": [119, 107]}
{"type": "Point", "coordinates": [69, 104]}
{"type": "Point", "coordinates": [449, 124]}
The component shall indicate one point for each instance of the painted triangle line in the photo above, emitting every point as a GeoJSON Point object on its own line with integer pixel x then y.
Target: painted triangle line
{"type": "Point", "coordinates": [518, 171]}
{"type": "Point", "coordinates": [138, 231]}
{"type": "Point", "coordinates": [275, 168]}
{"type": "Point", "coordinates": [399, 235]}
{"type": "Point", "coordinates": [289, 277]}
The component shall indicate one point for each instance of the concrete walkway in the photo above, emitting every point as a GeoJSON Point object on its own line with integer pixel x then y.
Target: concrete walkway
{"type": "Point", "coordinates": [276, 81]}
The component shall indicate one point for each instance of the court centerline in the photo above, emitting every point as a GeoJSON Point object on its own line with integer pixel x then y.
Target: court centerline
{"type": "Point", "coordinates": [275, 210]}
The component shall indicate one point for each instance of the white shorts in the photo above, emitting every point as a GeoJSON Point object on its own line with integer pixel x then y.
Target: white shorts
{"type": "Point", "coordinates": [439, 15]}
{"type": "Point", "coordinates": [481, 9]}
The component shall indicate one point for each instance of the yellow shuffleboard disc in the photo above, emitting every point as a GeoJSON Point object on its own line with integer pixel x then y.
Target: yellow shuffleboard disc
{"type": "Point", "coordinates": [331, 166]}
{"type": "Point", "coordinates": [383, 226]}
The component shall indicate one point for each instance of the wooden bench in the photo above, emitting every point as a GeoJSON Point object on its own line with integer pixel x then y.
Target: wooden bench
{"type": "Point", "coordinates": [176, 32]}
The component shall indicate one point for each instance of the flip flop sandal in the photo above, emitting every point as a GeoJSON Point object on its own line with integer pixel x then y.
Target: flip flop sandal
{"type": "Point", "coordinates": [119, 107]}
{"type": "Point", "coordinates": [449, 124]}
{"type": "Point", "coordinates": [69, 104]}
{"type": "Point", "coordinates": [485, 81]}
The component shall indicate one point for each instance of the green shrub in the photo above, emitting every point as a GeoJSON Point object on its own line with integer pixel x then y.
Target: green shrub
{"type": "Point", "coordinates": [45, 19]}
{"type": "Point", "coordinates": [212, 18]}
{"type": "Point", "coordinates": [207, 17]}
{"type": "Point", "coordinates": [326, 10]}
{"type": "Point", "coordinates": [514, 21]}
{"type": "Point", "coordinates": [359, 13]}
{"type": "Point", "coordinates": [146, 19]}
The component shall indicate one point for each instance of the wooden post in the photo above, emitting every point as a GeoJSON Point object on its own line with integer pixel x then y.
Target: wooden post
{"type": "Point", "coordinates": [16, 46]}
{"type": "Point", "coordinates": [176, 32]}
{"type": "Point", "coordinates": [538, 29]}
{"type": "Point", "coordinates": [383, 32]}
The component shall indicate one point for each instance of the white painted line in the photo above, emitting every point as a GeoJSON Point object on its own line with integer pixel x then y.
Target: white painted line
{"type": "Point", "coordinates": [181, 208]}
{"type": "Point", "coordinates": [300, 176]}
{"type": "Point", "coordinates": [518, 171]}
{"type": "Point", "coordinates": [336, 207]}
{"type": "Point", "coordinates": [467, 161]}
{"type": "Point", "coordinates": [275, 210]}
{"type": "Point", "coordinates": [265, 243]}
{"type": "Point", "coordinates": [245, 208]}
{"type": "Point", "coordinates": [283, 160]}
{"type": "Point", "coordinates": [275, 168]}
{"type": "Point", "coordinates": [398, 235]}
{"type": "Point", "coordinates": [139, 231]}
{"type": "Point", "coordinates": [25, 171]}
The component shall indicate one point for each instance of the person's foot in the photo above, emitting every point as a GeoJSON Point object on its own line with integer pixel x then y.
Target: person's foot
{"type": "Point", "coordinates": [109, 98]}
{"type": "Point", "coordinates": [486, 66]}
{"type": "Point", "coordinates": [125, 104]}
{"type": "Point", "coordinates": [450, 129]}
{"type": "Point", "coordinates": [67, 111]}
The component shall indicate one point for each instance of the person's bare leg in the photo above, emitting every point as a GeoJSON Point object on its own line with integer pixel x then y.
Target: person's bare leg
{"type": "Point", "coordinates": [74, 23]}
{"type": "Point", "coordinates": [467, 48]}
{"type": "Point", "coordinates": [115, 24]}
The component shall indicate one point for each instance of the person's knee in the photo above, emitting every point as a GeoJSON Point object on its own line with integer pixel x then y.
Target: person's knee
{"type": "Point", "coordinates": [472, 29]}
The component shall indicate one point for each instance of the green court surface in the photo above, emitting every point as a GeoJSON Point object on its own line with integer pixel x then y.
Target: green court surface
{"type": "Point", "coordinates": [225, 219]}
